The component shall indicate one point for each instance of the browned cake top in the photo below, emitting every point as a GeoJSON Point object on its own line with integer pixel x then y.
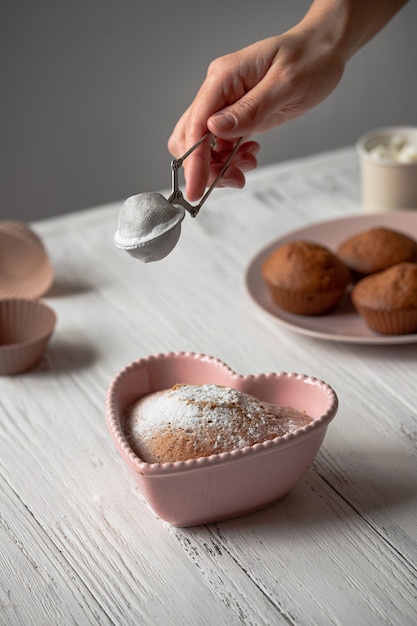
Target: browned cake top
{"type": "Point", "coordinates": [305, 266]}
{"type": "Point", "coordinates": [392, 289]}
{"type": "Point", "coordinates": [190, 421]}
{"type": "Point", "coordinates": [377, 249]}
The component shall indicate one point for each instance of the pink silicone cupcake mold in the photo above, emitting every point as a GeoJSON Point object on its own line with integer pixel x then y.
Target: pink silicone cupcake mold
{"type": "Point", "coordinates": [25, 268]}
{"type": "Point", "coordinates": [25, 329]}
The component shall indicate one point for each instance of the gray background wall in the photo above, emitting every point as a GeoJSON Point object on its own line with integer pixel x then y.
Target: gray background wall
{"type": "Point", "coordinates": [91, 89]}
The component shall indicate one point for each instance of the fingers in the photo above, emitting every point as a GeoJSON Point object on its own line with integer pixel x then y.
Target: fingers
{"type": "Point", "coordinates": [197, 171]}
{"type": "Point", "coordinates": [223, 87]}
{"type": "Point", "coordinates": [243, 161]}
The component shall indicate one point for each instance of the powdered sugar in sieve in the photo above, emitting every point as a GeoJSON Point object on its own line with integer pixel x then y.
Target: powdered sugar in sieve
{"type": "Point", "coordinates": [150, 225]}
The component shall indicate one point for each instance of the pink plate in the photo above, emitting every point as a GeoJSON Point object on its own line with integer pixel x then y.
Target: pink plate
{"type": "Point", "coordinates": [343, 324]}
{"type": "Point", "coordinates": [214, 488]}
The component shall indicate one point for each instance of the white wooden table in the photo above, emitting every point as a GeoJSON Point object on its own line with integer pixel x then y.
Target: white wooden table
{"type": "Point", "coordinates": [79, 544]}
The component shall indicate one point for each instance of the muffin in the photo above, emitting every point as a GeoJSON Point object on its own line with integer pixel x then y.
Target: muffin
{"type": "Point", "coordinates": [387, 301]}
{"type": "Point", "coordinates": [375, 250]}
{"type": "Point", "coordinates": [191, 421]}
{"type": "Point", "coordinates": [305, 278]}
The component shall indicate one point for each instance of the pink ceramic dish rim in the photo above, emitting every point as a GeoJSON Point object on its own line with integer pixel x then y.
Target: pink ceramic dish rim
{"type": "Point", "coordinates": [154, 469]}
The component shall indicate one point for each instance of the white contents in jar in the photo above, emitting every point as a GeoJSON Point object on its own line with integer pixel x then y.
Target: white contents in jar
{"type": "Point", "coordinates": [395, 148]}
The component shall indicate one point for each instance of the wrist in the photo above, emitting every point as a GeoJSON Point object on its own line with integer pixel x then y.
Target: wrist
{"type": "Point", "coordinates": [347, 25]}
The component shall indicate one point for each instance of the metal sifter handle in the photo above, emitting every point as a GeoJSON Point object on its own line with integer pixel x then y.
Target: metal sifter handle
{"type": "Point", "coordinates": [177, 196]}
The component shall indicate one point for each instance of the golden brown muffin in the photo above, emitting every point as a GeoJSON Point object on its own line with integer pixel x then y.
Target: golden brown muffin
{"type": "Point", "coordinates": [305, 278]}
{"type": "Point", "coordinates": [387, 301]}
{"type": "Point", "coordinates": [191, 421]}
{"type": "Point", "coordinates": [375, 250]}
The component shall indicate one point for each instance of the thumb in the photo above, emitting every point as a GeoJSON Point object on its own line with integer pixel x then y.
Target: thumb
{"type": "Point", "coordinates": [244, 119]}
{"type": "Point", "coordinates": [252, 113]}
{"type": "Point", "coordinates": [234, 121]}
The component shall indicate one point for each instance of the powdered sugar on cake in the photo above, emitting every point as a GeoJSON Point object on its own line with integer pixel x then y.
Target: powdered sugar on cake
{"type": "Point", "coordinates": [184, 406]}
{"type": "Point", "coordinates": [188, 421]}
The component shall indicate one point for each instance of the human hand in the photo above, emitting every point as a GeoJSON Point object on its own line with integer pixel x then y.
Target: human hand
{"type": "Point", "coordinates": [248, 92]}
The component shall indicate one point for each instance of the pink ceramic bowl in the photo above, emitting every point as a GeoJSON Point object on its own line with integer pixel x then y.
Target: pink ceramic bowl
{"type": "Point", "coordinates": [25, 329]}
{"type": "Point", "coordinates": [221, 486]}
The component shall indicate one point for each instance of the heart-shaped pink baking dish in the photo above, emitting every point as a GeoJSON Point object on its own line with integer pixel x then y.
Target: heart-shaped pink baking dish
{"type": "Point", "coordinates": [221, 486]}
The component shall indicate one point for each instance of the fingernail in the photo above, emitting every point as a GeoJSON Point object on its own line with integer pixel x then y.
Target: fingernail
{"type": "Point", "coordinates": [224, 121]}
{"type": "Point", "coordinates": [225, 182]}
{"type": "Point", "coordinates": [245, 166]}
